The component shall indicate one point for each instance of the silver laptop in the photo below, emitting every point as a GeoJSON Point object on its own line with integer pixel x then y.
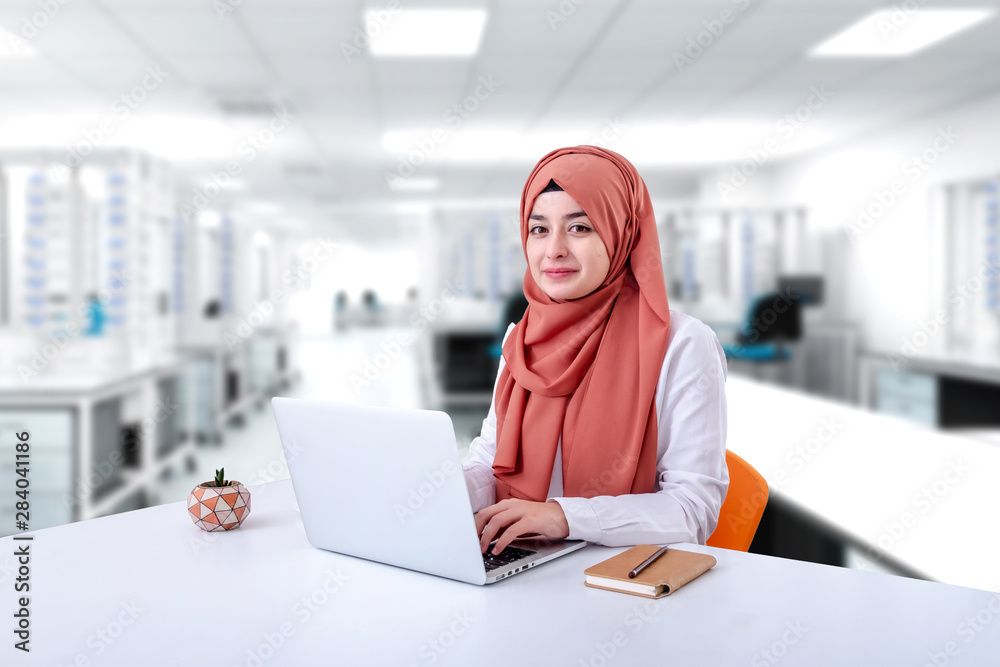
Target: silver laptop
{"type": "Point", "coordinates": [372, 482]}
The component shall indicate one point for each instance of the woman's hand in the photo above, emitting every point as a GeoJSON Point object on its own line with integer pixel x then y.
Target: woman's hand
{"type": "Point", "coordinates": [512, 518]}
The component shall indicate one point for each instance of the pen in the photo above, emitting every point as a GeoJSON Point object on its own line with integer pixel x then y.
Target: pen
{"type": "Point", "coordinates": [642, 566]}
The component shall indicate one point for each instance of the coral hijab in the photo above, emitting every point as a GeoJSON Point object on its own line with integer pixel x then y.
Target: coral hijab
{"type": "Point", "coordinates": [586, 369]}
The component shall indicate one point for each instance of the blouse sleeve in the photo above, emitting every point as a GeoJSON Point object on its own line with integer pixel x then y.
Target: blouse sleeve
{"type": "Point", "coordinates": [692, 476]}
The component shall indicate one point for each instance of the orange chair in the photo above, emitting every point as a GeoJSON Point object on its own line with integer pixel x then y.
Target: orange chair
{"type": "Point", "coordinates": [742, 508]}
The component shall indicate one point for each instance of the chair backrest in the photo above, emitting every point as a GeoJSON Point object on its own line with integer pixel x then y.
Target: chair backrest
{"type": "Point", "coordinates": [742, 508]}
{"type": "Point", "coordinates": [772, 317]}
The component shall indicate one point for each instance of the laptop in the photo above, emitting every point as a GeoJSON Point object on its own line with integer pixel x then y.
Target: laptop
{"type": "Point", "coordinates": [373, 482]}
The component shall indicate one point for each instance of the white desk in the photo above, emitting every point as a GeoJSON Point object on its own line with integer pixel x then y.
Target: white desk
{"type": "Point", "coordinates": [863, 475]}
{"type": "Point", "coordinates": [73, 459]}
{"type": "Point", "coordinates": [203, 598]}
{"type": "Point", "coordinates": [968, 365]}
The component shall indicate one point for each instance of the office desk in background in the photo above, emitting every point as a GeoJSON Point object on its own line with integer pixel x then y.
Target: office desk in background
{"type": "Point", "coordinates": [147, 587]}
{"type": "Point", "coordinates": [86, 460]}
{"type": "Point", "coordinates": [950, 390]}
{"type": "Point", "coordinates": [908, 496]}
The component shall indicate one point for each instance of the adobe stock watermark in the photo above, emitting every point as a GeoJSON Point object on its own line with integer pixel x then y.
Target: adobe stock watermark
{"type": "Point", "coordinates": [32, 25]}
{"type": "Point", "coordinates": [262, 312]}
{"type": "Point", "coordinates": [101, 471]}
{"type": "Point", "coordinates": [60, 338]}
{"type": "Point", "coordinates": [643, 269]}
{"type": "Point", "coordinates": [376, 20]}
{"type": "Point", "coordinates": [713, 378]}
{"type": "Point", "coordinates": [391, 349]}
{"type": "Point", "coordinates": [225, 7]}
{"type": "Point", "coordinates": [248, 149]}
{"type": "Point", "coordinates": [779, 648]}
{"type": "Point", "coordinates": [714, 28]}
{"type": "Point", "coordinates": [121, 108]}
{"type": "Point", "coordinates": [899, 17]}
{"type": "Point", "coordinates": [424, 491]}
{"type": "Point", "coordinates": [454, 118]}
{"type": "Point", "coordinates": [435, 647]}
{"type": "Point", "coordinates": [786, 126]}
{"type": "Point", "coordinates": [957, 297]}
{"type": "Point", "coordinates": [922, 502]}
{"type": "Point", "coordinates": [914, 167]}
{"type": "Point", "coordinates": [104, 637]}
{"type": "Point", "coordinates": [275, 469]}
{"type": "Point", "coordinates": [637, 618]}
{"type": "Point", "coordinates": [613, 129]}
{"type": "Point", "coordinates": [762, 323]}
{"type": "Point", "coordinates": [801, 454]}
{"type": "Point", "coordinates": [968, 629]}
{"type": "Point", "coordinates": [304, 266]}
{"type": "Point", "coordinates": [623, 467]}
{"type": "Point", "coordinates": [562, 12]}
{"type": "Point", "coordinates": [303, 610]}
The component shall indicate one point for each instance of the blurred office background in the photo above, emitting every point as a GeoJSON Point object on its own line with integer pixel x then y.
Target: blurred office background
{"type": "Point", "coordinates": [204, 205]}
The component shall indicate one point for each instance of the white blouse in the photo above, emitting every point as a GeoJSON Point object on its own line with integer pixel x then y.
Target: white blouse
{"type": "Point", "coordinates": [691, 473]}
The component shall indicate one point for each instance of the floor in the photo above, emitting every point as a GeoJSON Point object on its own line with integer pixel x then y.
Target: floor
{"type": "Point", "coordinates": [331, 367]}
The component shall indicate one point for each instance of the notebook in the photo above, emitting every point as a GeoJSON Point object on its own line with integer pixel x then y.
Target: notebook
{"type": "Point", "coordinates": [662, 577]}
{"type": "Point", "coordinates": [372, 482]}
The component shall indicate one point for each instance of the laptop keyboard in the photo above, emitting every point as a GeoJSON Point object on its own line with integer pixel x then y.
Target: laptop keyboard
{"type": "Point", "coordinates": [505, 557]}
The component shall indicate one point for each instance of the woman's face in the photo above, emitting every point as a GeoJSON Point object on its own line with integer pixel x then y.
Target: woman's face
{"type": "Point", "coordinates": [566, 257]}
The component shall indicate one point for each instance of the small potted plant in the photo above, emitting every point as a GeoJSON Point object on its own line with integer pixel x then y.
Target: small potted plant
{"type": "Point", "coordinates": [220, 504]}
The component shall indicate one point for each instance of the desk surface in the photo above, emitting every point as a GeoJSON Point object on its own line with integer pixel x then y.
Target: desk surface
{"type": "Point", "coordinates": [972, 365]}
{"type": "Point", "coordinates": [147, 587]}
{"type": "Point", "coordinates": [908, 494]}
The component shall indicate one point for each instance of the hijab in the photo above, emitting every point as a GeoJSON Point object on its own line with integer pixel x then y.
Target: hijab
{"type": "Point", "coordinates": [586, 369]}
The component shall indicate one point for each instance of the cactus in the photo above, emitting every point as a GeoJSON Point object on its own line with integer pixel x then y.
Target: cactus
{"type": "Point", "coordinates": [220, 478]}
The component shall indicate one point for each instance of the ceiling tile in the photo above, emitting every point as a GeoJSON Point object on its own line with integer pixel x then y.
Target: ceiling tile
{"type": "Point", "coordinates": [78, 31]}
{"type": "Point", "coordinates": [221, 72]}
{"type": "Point", "coordinates": [189, 33]}
{"type": "Point", "coordinates": [608, 59]}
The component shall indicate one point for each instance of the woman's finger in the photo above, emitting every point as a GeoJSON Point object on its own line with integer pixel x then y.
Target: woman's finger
{"type": "Point", "coordinates": [487, 513]}
{"type": "Point", "coordinates": [511, 533]}
{"type": "Point", "coordinates": [494, 526]}
{"type": "Point", "coordinates": [483, 516]}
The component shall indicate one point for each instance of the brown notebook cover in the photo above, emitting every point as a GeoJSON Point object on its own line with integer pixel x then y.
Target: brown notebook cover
{"type": "Point", "coordinates": [664, 575]}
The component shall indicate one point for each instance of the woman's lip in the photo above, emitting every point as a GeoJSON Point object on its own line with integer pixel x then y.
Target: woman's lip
{"type": "Point", "coordinates": [558, 273]}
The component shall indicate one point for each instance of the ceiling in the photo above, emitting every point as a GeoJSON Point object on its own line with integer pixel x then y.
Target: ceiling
{"type": "Point", "coordinates": [606, 64]}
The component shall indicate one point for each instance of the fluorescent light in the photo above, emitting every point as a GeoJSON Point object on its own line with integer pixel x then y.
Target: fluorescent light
{"type": "Point", "coordinates": [412, 207]}
{"type": "Point", "coordinates": [899, 32]}
{"type": "Point", "coordinates": [648, 144]}
{"type": "Point", "coordinates": [416, 147]}
{"type": "Point", "coordinates": [397, 141]}
{"type": "Point", "coordinates": [425, 32]}
{"type": "Point", "coordinates": [264, 207]}
{"type": "Point", "coordinates": [415, 184]}
{"type": "Point", "coordinates": [178, 138]}
{"type": "Point", "coordinates": [174, 138]}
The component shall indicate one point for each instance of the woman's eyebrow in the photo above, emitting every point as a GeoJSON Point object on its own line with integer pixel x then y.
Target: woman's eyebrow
{"type": "Point", "coordinates": [568, 216]}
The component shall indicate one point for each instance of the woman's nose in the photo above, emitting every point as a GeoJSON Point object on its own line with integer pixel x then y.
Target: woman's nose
{"type": "Point", "coordinates": [557, 245]}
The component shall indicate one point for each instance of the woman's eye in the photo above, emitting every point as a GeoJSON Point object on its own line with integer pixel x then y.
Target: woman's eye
{"type": "Point", "coordinates": [580, 228]}
{"type": "Point", "coordinates": [537, 229]}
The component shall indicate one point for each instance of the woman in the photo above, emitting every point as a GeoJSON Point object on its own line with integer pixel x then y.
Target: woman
{"type": "Point", "coordinates": [608, 420]}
